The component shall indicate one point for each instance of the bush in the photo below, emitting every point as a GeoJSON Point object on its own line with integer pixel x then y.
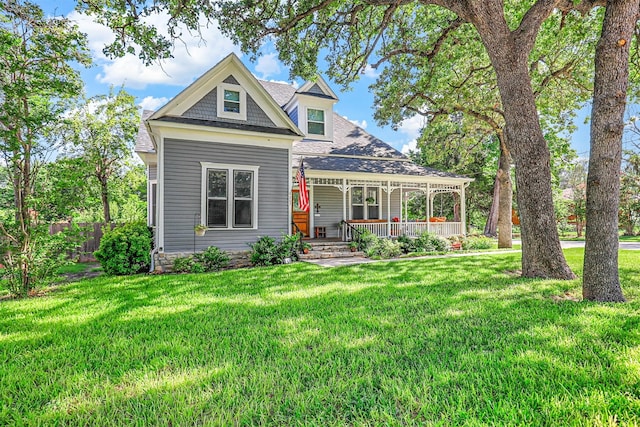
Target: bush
{"type": "Point", "coordinates": [407, 244]}
{"type": "Point", "coordinates": [212, 259]}
{"type": "Point", "coordinates": [365, 239]}
{"type": "Point", "coordinates": [429, 242]}
{"type": "Point", "coordinates": [384, 248]}
{"type": "Point", "coordinates": [478, 242]}
{"type": "Point", "coordinates": [183, 264]}
{"type": "Point", "coordinates": [36, 263]}
{"type": "Point", "coordinates": [125, 250]}
{"type": "Point", "coordinates": [266, 251]}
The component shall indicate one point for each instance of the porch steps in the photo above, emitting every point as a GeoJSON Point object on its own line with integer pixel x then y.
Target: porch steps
{"type": "Point", "coordinates": [330, 249]}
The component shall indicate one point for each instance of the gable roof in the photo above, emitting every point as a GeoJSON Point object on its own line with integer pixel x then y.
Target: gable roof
{"type": "Point", "coordinates": [144, 144]}
{"type": "Point", "coordinates": [205, 84]}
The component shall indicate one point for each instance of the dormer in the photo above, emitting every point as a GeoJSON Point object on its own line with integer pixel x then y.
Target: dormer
{"type": "Point", "coordinates": [311, 109]}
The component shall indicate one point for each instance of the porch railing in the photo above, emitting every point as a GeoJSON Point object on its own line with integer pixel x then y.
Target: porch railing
{"type": "Point", "coordinates": [411, 229]}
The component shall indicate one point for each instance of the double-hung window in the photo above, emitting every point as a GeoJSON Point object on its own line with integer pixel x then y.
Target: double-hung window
{"type": "Point", "coordinates": [229, 196]}
{"type": "Point", "coordinates": [315, 121]}
{"type": "Point", "coordinates": [232, 101]}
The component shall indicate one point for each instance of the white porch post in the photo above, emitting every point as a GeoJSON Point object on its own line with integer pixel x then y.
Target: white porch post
{"type": "Point", "coordinates": [401, 200]}
{"type": "Point", "coordinates": [344, 199]}
{"type": "Point", "coordinates": [388, 208]}
{"type": "Point", "coordinates": [429, 207]}
{"type": "Point", "coordinates": [463, 208]}
{"type": "Point", "coordinates": [311, 211]}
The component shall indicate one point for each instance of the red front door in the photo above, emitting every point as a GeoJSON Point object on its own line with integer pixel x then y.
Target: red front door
{"type": "Point", "coordinates": [300, 217]}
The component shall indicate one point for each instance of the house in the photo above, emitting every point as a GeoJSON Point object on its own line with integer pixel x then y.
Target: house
{"type": "Point", "coordinates": [225, 152]}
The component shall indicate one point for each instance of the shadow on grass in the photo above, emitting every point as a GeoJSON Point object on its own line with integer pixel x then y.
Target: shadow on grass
{"type": "Point", "coordinates": [408, 342]}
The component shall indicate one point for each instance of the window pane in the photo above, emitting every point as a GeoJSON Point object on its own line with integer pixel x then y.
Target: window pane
{"type": "Point", "coordinates": [242, 213]}
{"type": "Point", "coordinates": [315, 128]}
{"type": "Point", "coordinates": [357, 212]}
{"type": "Point", "coordinates": [243, 184]}
{"type": "Point", "coordinates": [217, 213]}
{"type": "Point", "coordinates": [217, 186]}
{"type": "Point", "coordinates": [356, 195]}
{"type": "Point", "coordinates": [374, 212]}
{"type": "Point", "coordinates": [232, 107]}
{"type": "Point", "coordinates": [372, 196]}
{"type": "Point", "coordinates": [315, 115]}
{"type": "Point", "coordinates": [231, 95]}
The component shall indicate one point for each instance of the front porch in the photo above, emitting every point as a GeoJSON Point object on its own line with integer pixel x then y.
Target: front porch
{"type": "Point", "coordinates": [341, 205]}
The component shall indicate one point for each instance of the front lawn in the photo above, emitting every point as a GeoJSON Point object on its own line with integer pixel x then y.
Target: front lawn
{"type": "Point", "coordinates": [447, 341]}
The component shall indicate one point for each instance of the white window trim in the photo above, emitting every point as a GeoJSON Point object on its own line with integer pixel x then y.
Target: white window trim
{"type": "Point", "coordinates": [242, 115]}
{"type": "Point", "coordinates": [365, 204]}
{"type": "Point", "coordinates": [230, 168]}
{"type": "Point", "coordinates": [324, 123]}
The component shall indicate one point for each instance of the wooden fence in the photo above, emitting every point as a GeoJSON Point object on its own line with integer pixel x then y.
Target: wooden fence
{"type": "Point", "coordinates": [91, 241]}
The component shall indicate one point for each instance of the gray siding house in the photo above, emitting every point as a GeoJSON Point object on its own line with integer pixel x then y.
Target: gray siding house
{"type": "Point", "coordinates": [225, 151]}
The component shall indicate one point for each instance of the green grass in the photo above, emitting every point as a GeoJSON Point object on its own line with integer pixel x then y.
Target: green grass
{"type": "Point", "coordinates": [448, 341]}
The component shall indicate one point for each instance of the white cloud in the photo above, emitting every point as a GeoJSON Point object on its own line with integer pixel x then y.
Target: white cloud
{"type": "Point", "coordinates": [411, 128]}
{"type": "Point", "coordinates": [410, 146]}
{"type": "Point", "coordinates": [192, 55]}
{"type": "Point", "coordinates": [268, 65]}
{"type": "Point", "coordinates": [370, 72]}
{"type": "Point", "coordinates": [363, 123]}
{"type": "Point", "coordinates": [152, 103]}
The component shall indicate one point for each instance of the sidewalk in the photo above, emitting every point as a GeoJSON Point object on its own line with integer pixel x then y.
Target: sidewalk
{"type": "Point", "coordinates": [339, 262]}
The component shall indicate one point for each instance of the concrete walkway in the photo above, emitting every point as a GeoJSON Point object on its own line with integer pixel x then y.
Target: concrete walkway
{"type": "Point", "coordinates": [339, 262]}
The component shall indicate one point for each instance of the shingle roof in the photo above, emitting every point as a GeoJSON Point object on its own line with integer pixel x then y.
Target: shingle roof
{"type": "Point", "coordinates": [143, 139]}
{"type": "Point", "coordinates": [280, 92]}
{"type": "Point", "coordinates": [226, 125]}
{"type": "Point", "coordinates": [392, 167]}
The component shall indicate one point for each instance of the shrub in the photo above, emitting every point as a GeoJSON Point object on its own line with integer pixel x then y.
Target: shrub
{"type": "Point", "coordinates": [288, 247]}
{"type": "Point", "coordinates": [477, 242]}
{"type": "Point", "coordinates": [183, 264]}
{"type": "Point", "coordinates": [36, 263]}
{"type": "Point", "coordinates": [384, 248]}
{"type": "Point", "coordinates": [264, 251]}
{"type": "Point", "coordinates": [429, 242]}
{"type": "Point", "coordinates": [125, 250]}
{"type": "Point", "coordinates": [212, 259]}
{"type": "Point", "coordinates": [365, 239]}
{"type": "Point", "coordinates": [407, 244]}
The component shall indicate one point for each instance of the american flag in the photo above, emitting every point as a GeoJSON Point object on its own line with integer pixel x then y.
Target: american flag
{"type": "Point", "coordinates": [303, 195]}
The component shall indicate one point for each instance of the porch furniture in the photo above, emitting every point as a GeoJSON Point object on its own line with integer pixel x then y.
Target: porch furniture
{"type": "Point", "coordinates": [320, 232]}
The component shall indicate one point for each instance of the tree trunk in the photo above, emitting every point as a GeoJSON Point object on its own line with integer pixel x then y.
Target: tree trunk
{"type": "Point", "coordinates": [104, 195]}
{"type": "Point", "coordinates": [491, 227]}
{"type": "Point", "coordinates": [601, 281]}
{"type": "Point", "coordinates": [541, 252]}
{"type": "Point", "coordinates": [505, 226]}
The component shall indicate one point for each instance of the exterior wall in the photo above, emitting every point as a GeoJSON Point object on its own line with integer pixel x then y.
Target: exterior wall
{"type": "Point", "coordinates": [207, 109]}
{"type": "Point", "coordinates": [316, 89]}
{"type": "Point", "coordinates": [152, 172]}
{"type": "Point", "coordinates": [182, 193]}
{"type": "Point", "coordinates": [294, 115]}
{"type": "Point", "coordinates": [330, 200]}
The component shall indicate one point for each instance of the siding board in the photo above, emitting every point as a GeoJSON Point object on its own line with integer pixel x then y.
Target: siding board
{"type": "Point", "coordinates": [182, 193]}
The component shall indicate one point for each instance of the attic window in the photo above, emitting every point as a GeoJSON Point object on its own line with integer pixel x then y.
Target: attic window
{"type": "Point", "coordinates": [315, 121]}
{"type": "Point", "coordinates": [232, 101]}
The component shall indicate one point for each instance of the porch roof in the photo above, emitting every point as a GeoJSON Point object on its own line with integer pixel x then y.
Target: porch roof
{"type": "Point", "coordinates": [360, 165]}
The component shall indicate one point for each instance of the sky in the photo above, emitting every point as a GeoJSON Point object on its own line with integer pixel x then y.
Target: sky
{"type": "Point", "coordinates": [154, 85]}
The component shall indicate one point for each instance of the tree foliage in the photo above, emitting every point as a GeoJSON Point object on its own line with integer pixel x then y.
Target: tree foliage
{"type": "Point", "coordinates": [36, 78]}
{"type": "Point", "coordinates": [101, 132]}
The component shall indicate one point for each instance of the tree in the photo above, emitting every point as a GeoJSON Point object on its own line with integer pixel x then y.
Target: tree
{"type": "Point", "coordinates": [601, 281]}
{"type": "Point", "coordinates": [101, 132]}
{"type": "Point", "coordinates": [629, 213]}
{"type": "Point", "coordinates": [36, 78]}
